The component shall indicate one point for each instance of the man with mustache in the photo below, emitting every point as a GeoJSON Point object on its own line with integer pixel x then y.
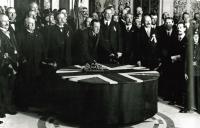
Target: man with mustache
{"type": "Point", "coordinates": [59, 45]}
{"type": "Point", "coordinates": [8, 66]}
{"type": "Point", "coordinates": [147, 40]}
{"type": "Point", "coordinates": [129, 44]}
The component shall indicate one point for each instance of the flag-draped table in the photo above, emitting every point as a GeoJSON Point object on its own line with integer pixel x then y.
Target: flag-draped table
{"type": "Point", "coordinates": [120, 96]}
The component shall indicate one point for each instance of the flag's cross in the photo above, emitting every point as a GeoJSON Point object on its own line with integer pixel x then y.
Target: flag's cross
{"type": "Point", "coordinates": [138, 74]}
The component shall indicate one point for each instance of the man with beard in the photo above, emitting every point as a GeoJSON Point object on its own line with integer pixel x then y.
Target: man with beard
{"type": "Point", "coordinates": [167, 38]}
{"type": "Point", "coordinates": [8, 66]}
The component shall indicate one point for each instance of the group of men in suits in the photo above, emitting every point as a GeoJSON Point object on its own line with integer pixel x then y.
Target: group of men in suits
{"type": "Point", "coordinates": [49, 40]}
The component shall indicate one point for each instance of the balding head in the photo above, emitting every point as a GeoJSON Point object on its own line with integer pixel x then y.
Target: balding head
{"type": "Point", "coordinates": [4, 21]}
{"type": "Point", "coordinates": [29, 24]}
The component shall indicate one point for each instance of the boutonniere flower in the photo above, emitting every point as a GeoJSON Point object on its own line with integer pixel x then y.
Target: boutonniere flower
{"type": "Point", "coordinates": [153, 38]}
{"type": "Point", "coordinates": [67, 33]}
{"type": "Point", "coordinates": [114, 28]}
{"type": "Point", "coordinates": [5, 56]}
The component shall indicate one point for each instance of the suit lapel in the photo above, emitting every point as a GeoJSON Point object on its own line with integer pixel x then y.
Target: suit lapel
{"type": "Point", "coordinates": [145, 33]}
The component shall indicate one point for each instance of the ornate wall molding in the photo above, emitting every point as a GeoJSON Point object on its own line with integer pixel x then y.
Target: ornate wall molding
{"type": "Point", "coordinates": [101, 4]}
{"type": "Point", "coordinates": [191, 6]}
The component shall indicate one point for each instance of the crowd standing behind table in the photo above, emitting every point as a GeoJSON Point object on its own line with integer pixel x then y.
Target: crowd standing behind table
{"type": "Point", "coordinates": [69, 40]}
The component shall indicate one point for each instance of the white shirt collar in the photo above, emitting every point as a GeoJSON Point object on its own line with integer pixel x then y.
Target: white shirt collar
{"type": "Point", "coordinates": [107, 21]}
{"type": "Point", "coordinates": [181, 36]}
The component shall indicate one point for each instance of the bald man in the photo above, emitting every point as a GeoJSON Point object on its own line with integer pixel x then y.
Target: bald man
{"type": "Point", "coordinates": [8, 66]}
{"type": "Point", "coordinates": [148, 40]}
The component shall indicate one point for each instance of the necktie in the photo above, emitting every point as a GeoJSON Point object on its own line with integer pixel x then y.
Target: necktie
{"type": "Point", "coordinates": [148, 32]}
{"type": "Point", "coordinates": [107, 24]}
{"type": "Point", "coordinates": [168, 34]}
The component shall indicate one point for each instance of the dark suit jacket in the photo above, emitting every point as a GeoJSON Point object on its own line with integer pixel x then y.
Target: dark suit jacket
{"type": "Point", "coordinates": [129, 46]}
{"type": "Point", "coordinates": [18, 27]}
{"type": "Point", "coordinates": [110, 41]}
{"type": "Point", "coordinates": [89, 45]}
{"type": "Point", "coordinates": [60, 45]}
{"type": "Point", "coordinates": [148, 49]}
{"type": "Point", "coordinates": [178, 68]}
{"type": "Point", "coordinates": [7, 75]}
{"type": "Point", "coordinates": [8, 45]}
{"type": "Point", "coordinates": [165, 47]}
{"type": "Point", "coordinates": [31, 53]}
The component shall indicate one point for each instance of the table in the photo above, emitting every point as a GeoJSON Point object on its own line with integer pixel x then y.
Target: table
{"type": "Point", "coordinates": [121, 96]}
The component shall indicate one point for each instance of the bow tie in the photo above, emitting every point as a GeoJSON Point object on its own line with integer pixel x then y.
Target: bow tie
{"type": "Point", "coordinates": [12, 22]}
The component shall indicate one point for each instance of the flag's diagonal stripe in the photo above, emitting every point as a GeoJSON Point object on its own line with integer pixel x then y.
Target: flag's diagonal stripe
{"type": "Point", "coordinates": [66, 77]}
{"type": "Point", "coordinates": [131, 77]}
{"type": "Point", "coordinates": [107, 79]}
{"type": "Point", "coordinates": [66, 71]}
{"type": "Point", "coordinates": [144, 73]}
{"type": "Point", "coordinates": [122, 67]}
{"type": "Point", "coordinates": [78, 66]}
{"type": "Point", "coordinates": [104, 66]}
{"type": "Point", "coordinates": [83, 77]}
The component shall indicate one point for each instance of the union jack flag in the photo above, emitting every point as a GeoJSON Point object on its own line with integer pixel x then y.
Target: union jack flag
{"type": "Point", "coordinates": [115, 75]}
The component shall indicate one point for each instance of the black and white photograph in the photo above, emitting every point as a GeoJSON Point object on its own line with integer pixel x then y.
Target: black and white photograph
{"type": "Point", "coordinates": [99, 63]}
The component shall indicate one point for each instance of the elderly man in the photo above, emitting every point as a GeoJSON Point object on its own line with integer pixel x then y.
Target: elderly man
{"type": "Point", "coordinates": [8, 66]}
{"type": "Point", "coordinates": [59, 51]}
{"type": "Point", "coordinates": [129, 43]}
{"type": "Point", "coordinates": [31, 54]}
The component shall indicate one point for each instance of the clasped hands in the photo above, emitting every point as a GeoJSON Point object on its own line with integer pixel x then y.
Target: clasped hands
{"type": "Point", "coordinates": [175, 58]}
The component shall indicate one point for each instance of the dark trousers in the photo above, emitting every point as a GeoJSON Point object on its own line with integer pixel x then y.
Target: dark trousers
{"type": "Point", "coordinates": [7, 85]}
